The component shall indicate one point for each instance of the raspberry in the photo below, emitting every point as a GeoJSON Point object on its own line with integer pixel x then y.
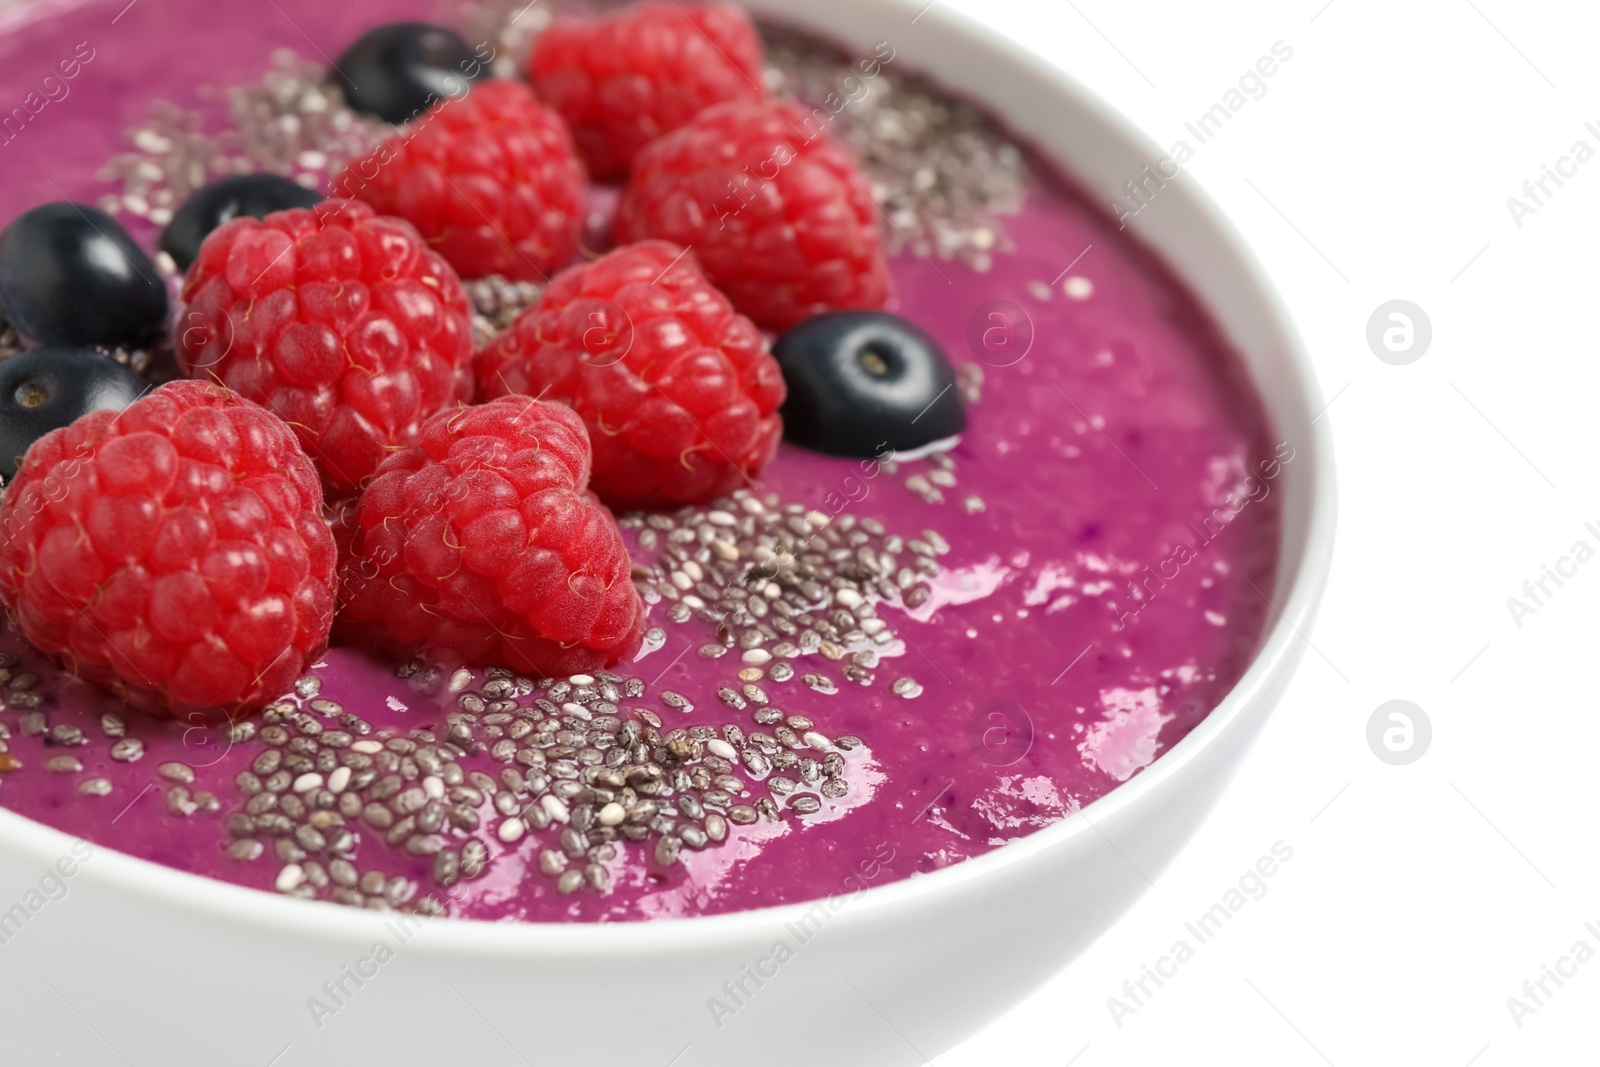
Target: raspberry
{"type": "Point", "coordinates": [481, 540]}
{"type": "Point", "coordinates": [340, 321]}
{"type": "Point", "coordinates": [677, 389]}
{"type": "Point", "coordinates": [774, 208]}
{"type": "Point", "coordinates": [621, 82]}
{"type": "Point", "coordinates": [173, 553]}
{"type": "Point", "coordinates": [492, 181]}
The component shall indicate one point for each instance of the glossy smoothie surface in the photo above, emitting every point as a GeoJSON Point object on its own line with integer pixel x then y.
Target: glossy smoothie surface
{"type": "Point", "coordinates": [1112, 533]}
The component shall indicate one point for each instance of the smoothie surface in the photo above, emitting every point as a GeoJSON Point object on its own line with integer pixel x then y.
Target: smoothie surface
{"type": "Point", "coordinates": [1103, 539]}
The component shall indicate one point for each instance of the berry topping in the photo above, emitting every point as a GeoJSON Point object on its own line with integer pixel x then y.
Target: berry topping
{"type": "Point", "coordinates": [860, 380]}
{"type": "Point", "coordinates": [620, 82]}
{"type": "Point", "coordinates": [45, 389]}
{"type": "Point", "coordinates": [255, 195]}
{"type": "Point", "coordinates": [342, 322]}
{"type": "Point", "coordinates": [481, 540]}
{"type": "Point", "coordinates": [492, 182]}
{"type": "Point", "coordinates": [71, 275]}
{"type": "Point", "coordinates": [400, 70]}
{"type": "Point", "coordinates": [775, 210]}
{"type": "Point", "coordinates": [173, 552]}
{"type": "Point", "coordinates": [675, 386]}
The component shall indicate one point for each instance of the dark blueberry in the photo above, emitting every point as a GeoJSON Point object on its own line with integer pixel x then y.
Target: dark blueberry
{"type": "Point", "coordinates": [45, 389]}
{"type": "Point", "coordinates": [255, 195]}
{"type": "Point", "coordinates": [398, 71]}
{"type": "Point", "coordinates": [860, 380]}
{"type": "Point", "coordinates": [71, 275]}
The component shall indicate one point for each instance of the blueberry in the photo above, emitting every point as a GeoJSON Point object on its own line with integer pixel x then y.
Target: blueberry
{"type": "Point", "coordinates": [71, 275]}
{"type": "Point", "coordinates": [859, 380]}
{"type": "Point", "coordinates": [45, 389]}
{"type": "Point", "coordinates": [255, 195]}
{"type": "Point", "coordinates": [400, 70]}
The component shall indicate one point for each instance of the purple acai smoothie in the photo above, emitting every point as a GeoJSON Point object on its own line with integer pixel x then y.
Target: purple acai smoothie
{"type": "Point", "coordinates": [966, 645]}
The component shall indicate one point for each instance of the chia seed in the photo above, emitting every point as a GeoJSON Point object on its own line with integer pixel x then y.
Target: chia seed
{"type": "Point", "coordinates": [127, 750]}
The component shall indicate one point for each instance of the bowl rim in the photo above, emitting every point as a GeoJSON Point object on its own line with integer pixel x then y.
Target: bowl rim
{"type": "Point", "coordinates": [264, 913]}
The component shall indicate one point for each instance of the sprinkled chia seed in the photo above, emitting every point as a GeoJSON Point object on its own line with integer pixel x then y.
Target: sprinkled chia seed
{"type": "Point", "coordinates": [176, 772]}
{"type": "Point", "coordinates": [127, 750]}
{"type": "Point", "coordinates": [65, 735]}
{"type": "Point", "coordinates": [246, 849]}
{"type": "Point", "coordinates": [821, 683]}
{"type": "Point", "coordinates": [496, 301]}
{"type": "Point", "coordinates": [179, 802]}
{"type": "Point", "coordinates": [805, 803]}
{"type": "Point", "coordinates": [554, 808]}
{"type": "Point", "coordinates": [907, 687]}
{"type": "Point", "coordinates": [423, 844]}
{"type": "Point", "coordinates": [446, 868]}
{"type": "Point", "coordinates": [666, 851]}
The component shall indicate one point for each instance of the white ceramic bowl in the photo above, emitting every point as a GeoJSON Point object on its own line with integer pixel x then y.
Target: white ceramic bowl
{"type": "Point", "coordinates": [147, 965]}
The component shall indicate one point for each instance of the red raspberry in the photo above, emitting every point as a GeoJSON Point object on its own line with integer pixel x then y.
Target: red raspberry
{"type": "Point", "coordinates": [677, 389]}
{"type": "Point", "coordinates": [173, 553]}
{"type": "Point", "coordinates": [481, 540]}
{"type": "Point", "coordinates": [342, 322]}
{"type": "Point", "coordinates": [775, 209]}
{"type": "Point", "coordinates": [621, 82]}
{"type": "Point", "coordinates": [492, 181]}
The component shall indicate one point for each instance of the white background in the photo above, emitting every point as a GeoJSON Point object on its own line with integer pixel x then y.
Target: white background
{"type": "Point", "coordinates": [1419, 898]}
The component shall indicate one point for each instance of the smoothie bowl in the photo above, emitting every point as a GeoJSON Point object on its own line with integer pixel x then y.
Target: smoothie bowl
{"type": "Point", "coordinates": [632, 711]}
